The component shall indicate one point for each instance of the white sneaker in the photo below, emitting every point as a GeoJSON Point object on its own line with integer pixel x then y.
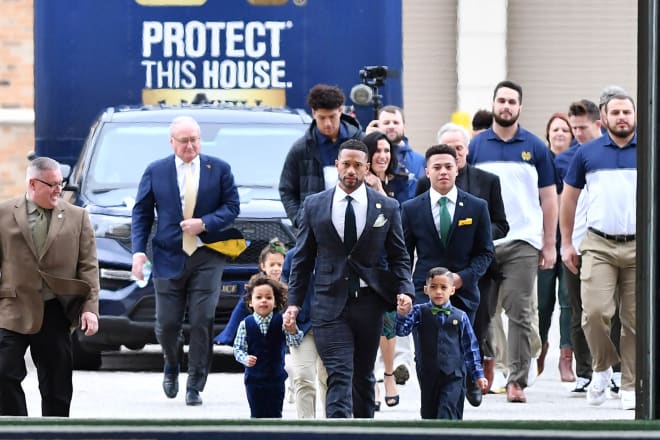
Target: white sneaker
{"type": "Point", "coordinates": [627, 399]}
{"type": "Point", "coordinates": [600, 381]}
{"type": "Point", "coordinates": [615, 386]}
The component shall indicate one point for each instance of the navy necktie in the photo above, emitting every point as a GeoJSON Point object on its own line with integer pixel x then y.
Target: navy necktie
{"type": "Point", "coordinates": [350, 238]}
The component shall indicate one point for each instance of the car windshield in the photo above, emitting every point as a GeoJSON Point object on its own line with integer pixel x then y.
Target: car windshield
{"type": "Point", "coordinates": [255, 152]}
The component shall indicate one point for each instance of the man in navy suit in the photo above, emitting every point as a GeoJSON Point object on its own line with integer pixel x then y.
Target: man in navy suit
{"type": "Point", "coordinates": [195, 198]}
{"type": "Point", "coordinates": [467, 248]}
{"type": "Point", "coordinates": [351, 237]}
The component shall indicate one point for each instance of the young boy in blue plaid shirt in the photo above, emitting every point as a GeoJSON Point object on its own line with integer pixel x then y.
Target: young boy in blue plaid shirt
{"type": "Point", "coordinates": [260, 345]}
{"type": "Point", "coordinates": [447, 348]}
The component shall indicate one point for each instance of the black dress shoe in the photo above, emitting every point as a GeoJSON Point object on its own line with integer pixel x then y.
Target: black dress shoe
{"type": "Point", "coordinates": [473, 394]}
{"type": "Point", "coordinates": [193, 398]}
{"type": "Point", "coordinates": [171, 385]}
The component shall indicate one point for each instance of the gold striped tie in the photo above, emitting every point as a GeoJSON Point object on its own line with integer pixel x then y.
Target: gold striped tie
{"type": "Point", "coordinates": [189, 199]}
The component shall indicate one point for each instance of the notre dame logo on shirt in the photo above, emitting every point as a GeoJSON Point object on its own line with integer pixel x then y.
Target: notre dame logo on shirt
{"type": "Point", "coordinates": [526, 156]}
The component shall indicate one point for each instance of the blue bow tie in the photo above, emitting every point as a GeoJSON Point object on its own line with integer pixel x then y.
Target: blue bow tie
{"type": "Point", "coordinates": [435, 310]}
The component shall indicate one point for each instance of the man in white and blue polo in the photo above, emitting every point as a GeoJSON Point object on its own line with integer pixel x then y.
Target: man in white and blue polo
{"type": "Point", "coordinates": [607, 168]}
{"type": "Point", "coordinates": [527, 174]}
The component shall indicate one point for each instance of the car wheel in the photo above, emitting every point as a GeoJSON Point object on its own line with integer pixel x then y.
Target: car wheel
{"type": "Point", "coordinates": [84, 358]}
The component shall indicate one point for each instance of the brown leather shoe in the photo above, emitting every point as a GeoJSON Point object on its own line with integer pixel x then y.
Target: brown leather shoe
{"type": "Point", "coordinates": [489, 371]}
{"type": "Point", "coordinates": [514, 393]}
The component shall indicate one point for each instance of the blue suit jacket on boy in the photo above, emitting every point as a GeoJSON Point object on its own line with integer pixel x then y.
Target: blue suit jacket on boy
{"type": "Point", "coordinates": [217, 205]}
{"type": "Point", "coordinates": [469, 248]}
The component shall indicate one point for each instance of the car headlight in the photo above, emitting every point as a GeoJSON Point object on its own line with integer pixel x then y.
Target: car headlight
{"type": "Point", "coordinates": [114, 227]}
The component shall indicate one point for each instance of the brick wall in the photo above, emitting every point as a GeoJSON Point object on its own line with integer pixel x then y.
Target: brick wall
{"type": "Point", "coordinates": [16, 94]}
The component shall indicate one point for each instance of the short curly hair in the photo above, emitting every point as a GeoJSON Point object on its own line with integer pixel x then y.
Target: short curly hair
{"type": "Point", "coordinates": [323, 96]}
{"type": "Point", "coordinates": [280, 290]}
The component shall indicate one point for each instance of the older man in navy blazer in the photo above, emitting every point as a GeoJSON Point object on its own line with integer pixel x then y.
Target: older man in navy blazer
{"type": "Point", "coordinates": [195, 198]}
{"type": "Point", "coordinates": [465, 248]}
{"type": "Point", "coordinates": [351, 237]}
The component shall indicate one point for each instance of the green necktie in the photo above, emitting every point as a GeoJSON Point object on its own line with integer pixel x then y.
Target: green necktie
{"type": "Point", "coordinates": [445, 220]}
{"type": "Point", "coordinates": [435, 310]}
{"type": "Point", "coordinates": [40, 229]}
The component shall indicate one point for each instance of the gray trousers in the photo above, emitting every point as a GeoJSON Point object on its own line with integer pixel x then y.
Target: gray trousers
{"type": "Point", "coordinates": [197, 290]}
{"type": "Point", "coordinates": [518, 261]}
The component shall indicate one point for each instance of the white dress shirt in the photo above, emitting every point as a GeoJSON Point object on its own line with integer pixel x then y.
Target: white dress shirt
{"type": "Point", "coordinates": [181, 181]}
{"type": "Point", "coordinates": [435, 196]}
{"type": "Point", "coordinates": [359, 208]}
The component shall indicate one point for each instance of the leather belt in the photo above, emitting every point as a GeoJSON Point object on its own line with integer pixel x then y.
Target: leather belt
{"type": "Point", "coordinates": [623, 238]}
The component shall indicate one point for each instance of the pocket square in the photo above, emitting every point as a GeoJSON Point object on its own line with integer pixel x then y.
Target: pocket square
{"type": "Point", "coordinates": [380, 221]}
{"type": "Point", "coordinates": [465, 221]}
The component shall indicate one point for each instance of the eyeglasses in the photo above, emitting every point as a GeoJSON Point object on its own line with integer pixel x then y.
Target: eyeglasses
{"type": "Point", "coordinates": [59, 185]}
{"type": "Point", "coordinates": [185, 141]}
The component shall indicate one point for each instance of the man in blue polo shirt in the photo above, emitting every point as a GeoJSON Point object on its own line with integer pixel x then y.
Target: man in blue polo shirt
{"type": "Point", "coordinates": [527, 174]}
{"type": "Point", "coordinates": [607, 168]}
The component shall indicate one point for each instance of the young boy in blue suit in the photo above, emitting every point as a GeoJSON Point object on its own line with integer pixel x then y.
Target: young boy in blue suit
{"type": "Point", "coordinates": [447, 348]}
{"type": "Point", "coordinates": [260, 345]}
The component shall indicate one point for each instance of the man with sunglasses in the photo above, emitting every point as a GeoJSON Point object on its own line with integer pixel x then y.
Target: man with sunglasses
{"type": "Point", "coordinates": [49, 284]}
{"type": "Point", "coordinates": [195, 198]}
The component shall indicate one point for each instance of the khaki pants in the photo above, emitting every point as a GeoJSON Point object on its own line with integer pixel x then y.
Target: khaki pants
{"type": "Point", "coordinates": [308, 369]}
{"type": "Point", "coordinates": [606, 265]}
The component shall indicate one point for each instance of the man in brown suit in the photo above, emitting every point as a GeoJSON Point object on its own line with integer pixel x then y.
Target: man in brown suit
{"type": "Point", "coordinates": [49, 284]}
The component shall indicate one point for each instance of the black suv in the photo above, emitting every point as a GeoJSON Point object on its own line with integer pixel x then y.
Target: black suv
{"type": "Point", "coordinates": [122, 141]}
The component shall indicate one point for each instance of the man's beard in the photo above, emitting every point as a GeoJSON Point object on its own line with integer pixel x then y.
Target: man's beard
{"type": "Point", "coordinates": [506, 122]}
{"type": "Point", "coordinates": [623, 132]}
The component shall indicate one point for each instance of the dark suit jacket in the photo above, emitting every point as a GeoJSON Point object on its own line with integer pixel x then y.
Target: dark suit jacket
{"type": "Point", "coordinates": [469, 250]}
{"type": "Point", "coordinates": [379, 256]}
{"type": "Point", "coordinates": [217, 205]}
{"type": "Point", "coordinates": [484, 185]}
{"type": "Point", "coordinates": [68, 266]}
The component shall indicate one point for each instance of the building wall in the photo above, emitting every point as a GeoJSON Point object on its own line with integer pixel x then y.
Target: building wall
{"type": "Point", "coordinates": [16, 94]}
{"type": "Point", "coordinates": [559, 51]}
{"type": "Point", "coordinates": [429, 68]}
{"type": "Point", "coordinates": [563, 51]}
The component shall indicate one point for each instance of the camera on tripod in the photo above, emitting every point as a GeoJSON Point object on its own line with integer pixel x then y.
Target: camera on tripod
{"type": "Point", "coordinates": [374, 75]}
{"type": "Point", "coordinates": [366, 93]}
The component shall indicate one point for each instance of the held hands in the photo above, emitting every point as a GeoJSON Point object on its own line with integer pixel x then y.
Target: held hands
{"type": "Point", "coordinates": [482, 384]}
{"type": "Point", "coordinates": [89, 323]}
{"type": "Point", "coordinates": [290, 325]}
{"type": "Point", "coordinates": [251, 360]}
{"type": "Point", "coordinates": [403, 304]}
{"type": "Point", "coordinates": [290, 316]}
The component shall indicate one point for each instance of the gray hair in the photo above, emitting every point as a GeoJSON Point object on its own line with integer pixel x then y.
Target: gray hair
{"type": "Point", "coordinates": [39, 165]}
{"type": "Point", "coordinates": [184, 119]}
{"type": "Point", "coordinates": [608, 93]}
{"type": "Point", "coordinates": [450, 126]}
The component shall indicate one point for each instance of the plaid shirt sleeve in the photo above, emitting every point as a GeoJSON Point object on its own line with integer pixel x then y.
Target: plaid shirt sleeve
{"type": "Point", "coordinates": [295, 339]}
{"type": "Point", "coordinates": [470, 349]}
{"type": "Point", "coordinates": [405, 324]}
{"type": "Point", "coordinates": [240, 344]}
